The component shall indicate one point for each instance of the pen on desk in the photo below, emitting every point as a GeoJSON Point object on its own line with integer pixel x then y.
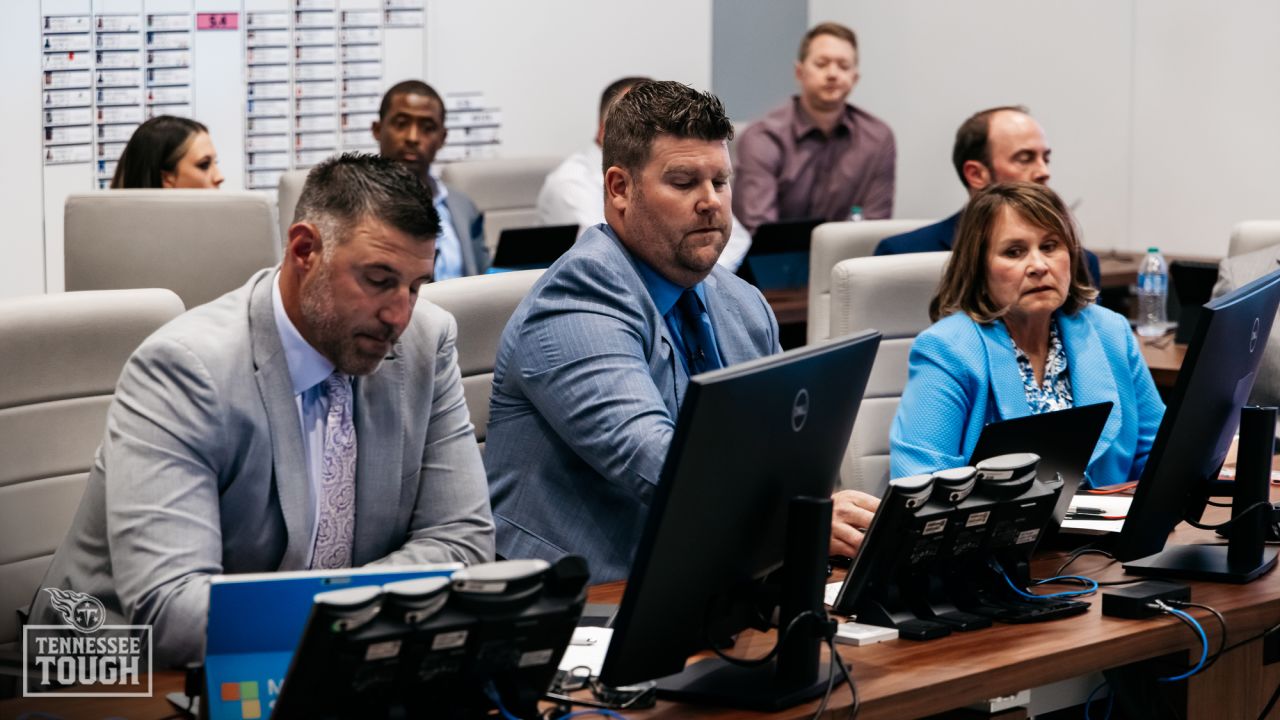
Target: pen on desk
{"type": "Point", "coordinates": [1087, 511]}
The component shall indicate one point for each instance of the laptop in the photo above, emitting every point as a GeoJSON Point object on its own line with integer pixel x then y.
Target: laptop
{"type": "Point", "coordinates": [1063, 439]}
{"type": "Point", "coordinates": [779, 255]}
{"type": "Point", "coordinates": [256, 621]}
{"type": "Point", "coordinates": [532, 247]}
{"type": "Point", "coordinates": [1193, 284]}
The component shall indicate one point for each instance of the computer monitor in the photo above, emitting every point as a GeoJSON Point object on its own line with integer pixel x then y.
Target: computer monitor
{"type": "Point", "coordinates": [529, 248]}
{"type": "Point", "coordinates": [749, 441]}
{"type": "Point", "coordinates": [1213, 385]}
{"type": "Point", "coordinates": [778, 258]}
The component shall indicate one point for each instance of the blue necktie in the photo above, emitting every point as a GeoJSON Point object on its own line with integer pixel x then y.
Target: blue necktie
{"type": "Point", "coordinates": [699, 339]}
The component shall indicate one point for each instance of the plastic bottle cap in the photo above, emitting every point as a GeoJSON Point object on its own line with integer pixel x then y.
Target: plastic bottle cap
{"type": "Point", "coordinates": [1153, 249]}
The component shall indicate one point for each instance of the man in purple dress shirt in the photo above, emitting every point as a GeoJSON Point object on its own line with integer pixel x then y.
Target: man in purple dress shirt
{"type": "Point", "coordinates": [817, 156]}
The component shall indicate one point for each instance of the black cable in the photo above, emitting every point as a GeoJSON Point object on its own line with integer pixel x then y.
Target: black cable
{"type": "Point", "coordinates": [1269, 631]}
{"type": "Point", "coordinates": [848, 679]}
{"type": "Point", "coordinates": [831, 680]}
{"type": "Point", "coordinates": [1222, 642]}
{"type": "Point", "coordinates": [1260, 504]}
{"type": "Point", "coordinates": [777, 646]}
{"type": "Point", "coordinates": [1077, 553]}
{"type": "Point", "coordinates": [1270, 704]}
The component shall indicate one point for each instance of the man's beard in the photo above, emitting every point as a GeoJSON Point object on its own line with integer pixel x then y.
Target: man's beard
{"type": "Point", "coordinates": [332, 339]}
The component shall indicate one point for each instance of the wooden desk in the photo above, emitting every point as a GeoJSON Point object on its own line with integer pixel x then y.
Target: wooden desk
{"type": "Point", "coordinates": [905, 679]}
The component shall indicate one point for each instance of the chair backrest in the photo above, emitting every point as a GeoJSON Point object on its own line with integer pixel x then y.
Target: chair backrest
{"type": "Point", "coordinates": [505, 190]}
{"type": "Point", "coordinates": [197, 243]}
{"type": "Point", "coordinates": [890, 293]}
{"type": "Point", "coordinates": [287, 194]}
{"type": "Point", "coordinates": [62, 355]}
{"type": "Point", "coordinates": [482, 305]}
{"type": "Point", "coordinates": [833, 242]}
{"type": "Point", "coordinates": [1253, 235]}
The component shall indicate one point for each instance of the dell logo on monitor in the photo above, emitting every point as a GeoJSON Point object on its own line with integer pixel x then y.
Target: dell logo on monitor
{"type": "Point", "coordinates": [1253, 335]}
{"type": "Point", "coordinates": [800, 410]}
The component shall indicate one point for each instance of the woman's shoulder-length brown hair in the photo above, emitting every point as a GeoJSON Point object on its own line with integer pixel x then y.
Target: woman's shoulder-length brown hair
{"type": "Point", "coordinates": [964, 282]}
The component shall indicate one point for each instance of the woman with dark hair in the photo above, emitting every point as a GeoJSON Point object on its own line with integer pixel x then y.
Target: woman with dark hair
{"type": "Point", "coordinates": [168, 152]}
{"type": "Point", "coordinates": [1016, 332]}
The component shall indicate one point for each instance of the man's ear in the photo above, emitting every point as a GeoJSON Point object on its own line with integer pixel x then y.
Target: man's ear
{"type": "Point", "coordinates": [304, 247]}
{"type": "Point", "coordinates": [617, 187]}
{"type": "Point", "coordinates": [376, 129]}
{"type": "Point", "coordinates": [976, 175]}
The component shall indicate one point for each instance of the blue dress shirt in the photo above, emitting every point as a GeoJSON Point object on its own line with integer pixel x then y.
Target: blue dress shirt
{"type": "Point", "coordinates": [448, 246]}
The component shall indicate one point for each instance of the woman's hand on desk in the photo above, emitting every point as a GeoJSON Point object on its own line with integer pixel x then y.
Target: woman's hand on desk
{"type": "Point", "coordinates": [850, 517]}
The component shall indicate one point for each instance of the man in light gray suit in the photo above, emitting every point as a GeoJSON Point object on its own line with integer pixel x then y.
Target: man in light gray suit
{"type": "Point", "coordinates": [311, 418]}
{"type": "Point", "coordinates": [410, 128]}
{"type": "Point", "coordinates": [594, 363]}
{"type": "Point", "coordinates": [1233, 272]}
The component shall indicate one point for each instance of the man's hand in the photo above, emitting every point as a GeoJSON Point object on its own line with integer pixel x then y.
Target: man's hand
{"type": "Point", "coordinates": [850, 517]}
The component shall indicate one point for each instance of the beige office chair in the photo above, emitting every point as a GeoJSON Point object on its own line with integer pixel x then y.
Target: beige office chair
{"type": "Point", "coordinates": [197, 243]}
{"type": "Point", "coordinates": [833, 242]}
{"type": "Point", "coordinates": [287, 194]}
{"type": "Point", "coordinates": [1252, 235]}
{"type": "Point", "coordinates": [482, 304]}
{"type": "Point", "coordinates": [505, 190]}
{"type": "Point", "coordinates": [891, 294]}
{"type": "Point", "coordinates": [62, 355]}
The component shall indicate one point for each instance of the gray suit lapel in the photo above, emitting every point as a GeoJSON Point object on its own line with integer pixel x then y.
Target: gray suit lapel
{"type": "Point", "coordinates": [289, 464]}
{"type": "Point", "coordinates": [462, 219]}
{"type": "Point", "coordinates": [732, 337]}
{"type": "Point", "coordinates": [379, 404]}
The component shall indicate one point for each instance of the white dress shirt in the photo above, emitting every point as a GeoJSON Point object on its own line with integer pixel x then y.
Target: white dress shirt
{"type": "Point", "coordinates": [574, 193]}
{"type": "Point", "coordinates": [308, 370]}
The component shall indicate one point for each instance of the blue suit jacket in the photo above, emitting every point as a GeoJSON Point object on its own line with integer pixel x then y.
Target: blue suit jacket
{"type": "Point", "coordinates": [941, 235]}
{"type": "Point", "coordinates": [586, 389]}
{"type": "Point", "coordinates": [964, 375]}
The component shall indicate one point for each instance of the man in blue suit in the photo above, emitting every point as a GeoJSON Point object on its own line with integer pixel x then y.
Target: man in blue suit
{"type": "Point", "coordinates": [1000, 144]}
{"type": "Point", "coordinates": [594, 363]}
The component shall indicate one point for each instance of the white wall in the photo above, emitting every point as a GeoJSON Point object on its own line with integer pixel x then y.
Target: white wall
{"type": "Point", "coordinates": [1206, 124]}
{"type": "Point", "coordinates": [929, 64]}
{"type": "Point", "coordinates": [21, 202]}
{"type": "Point", "coordinates": [545, 63]}
{"type": "Point", "coordinates": [1163, 114]}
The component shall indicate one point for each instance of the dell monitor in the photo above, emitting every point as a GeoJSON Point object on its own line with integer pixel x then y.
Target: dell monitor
{"type": "Point", "coordinates": [755, 445]}
{"type": "Point", "coordinates": [1195, 435]}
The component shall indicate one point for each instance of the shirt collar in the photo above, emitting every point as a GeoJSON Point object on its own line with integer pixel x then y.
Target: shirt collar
{"type": "Point", "coordinates": [802, 124]}
{"type": "Point", "coordinates": [307, 366]}
{"type": "Point", "coordinates": [440, 192]}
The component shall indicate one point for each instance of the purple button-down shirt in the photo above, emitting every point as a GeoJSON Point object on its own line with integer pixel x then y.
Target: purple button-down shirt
{"type": "Point", "coordinates": [787, 168]}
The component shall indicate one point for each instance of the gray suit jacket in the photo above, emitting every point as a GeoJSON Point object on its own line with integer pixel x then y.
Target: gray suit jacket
{"type": "Point", "coordinates": [468, 223]}
{"type": "Point", "coordinates": [1234, 272]}
{"type": "Point", "coordinates": [586, 389]}
{"type": "Point", "coordinates": [201, 470]}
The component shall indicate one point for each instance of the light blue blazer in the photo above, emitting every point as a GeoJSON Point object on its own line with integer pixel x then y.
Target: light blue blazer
{"type": "Point", "coordinates": [586, 389]}
{"type": "Point", "coordinates": [964, 375]}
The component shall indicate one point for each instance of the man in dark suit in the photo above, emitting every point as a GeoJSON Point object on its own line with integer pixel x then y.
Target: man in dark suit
{"type": "Point", "coordinates": [410, 128]}
{"type": "Point", "coordinates": [1000, 144]}
{"type": "Point", "coordinates": [594, 363]}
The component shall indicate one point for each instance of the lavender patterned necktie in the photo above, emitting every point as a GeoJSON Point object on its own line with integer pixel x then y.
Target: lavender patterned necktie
{"type": "Point", "coordinates": [337, 499]}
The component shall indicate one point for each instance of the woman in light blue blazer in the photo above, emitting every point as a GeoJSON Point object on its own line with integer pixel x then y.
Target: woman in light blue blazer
{"type": "Point", "coordinates": [1015, 333]}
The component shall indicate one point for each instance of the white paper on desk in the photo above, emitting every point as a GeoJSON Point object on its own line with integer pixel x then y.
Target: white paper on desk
{"type": "Point", "coordinates": [1108, 504]}
{"type": "Point", "coordinates": [831, 592]}
{"type": "Point", "coordinates": [587, 648]}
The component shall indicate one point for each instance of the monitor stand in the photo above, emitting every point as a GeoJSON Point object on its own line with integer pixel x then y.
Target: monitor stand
{"type": "Point", "coordinates": [795, 675]}
{"type": "Point", "coordinates": [1246, 557]}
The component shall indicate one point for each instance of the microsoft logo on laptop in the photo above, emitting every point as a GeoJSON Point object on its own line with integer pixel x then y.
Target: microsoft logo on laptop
{"type": "Point", "coordinates": [245, 693]}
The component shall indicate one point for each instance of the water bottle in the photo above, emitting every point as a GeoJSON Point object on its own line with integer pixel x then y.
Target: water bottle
{"type": "Point", "coordinates": [855, 213]}
{"type": "Point", "coordinates": [1153, 294]}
